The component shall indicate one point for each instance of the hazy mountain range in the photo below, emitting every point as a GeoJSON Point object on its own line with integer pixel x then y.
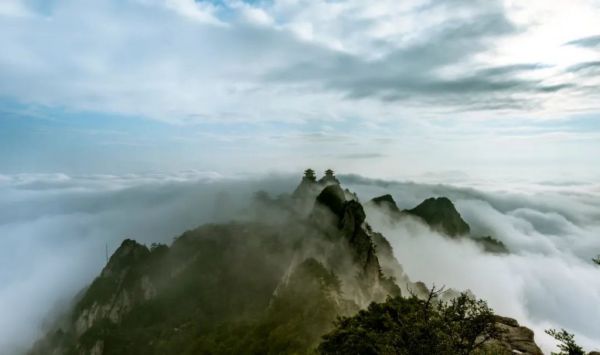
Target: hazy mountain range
{"type": "Point", "coordinates": [272, 281]}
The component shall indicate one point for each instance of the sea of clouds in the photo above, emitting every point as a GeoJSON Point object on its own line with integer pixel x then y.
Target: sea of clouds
{"type": "Point", "coordinates": [552, 230]}
{"type": "Point", "coordinates": [54, 230]}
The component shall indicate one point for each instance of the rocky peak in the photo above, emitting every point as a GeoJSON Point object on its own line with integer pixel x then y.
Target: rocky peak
{"type": "Point", "coordinates": [349, 225]}
{"type": "Point", "coordinates": [386, 201]}
{"type": "Point", "coordinates": [309, 186]}
{"type": "Point", "coordinates": [440, 214]}
{"type": "Point", "coordinates": [129, 253]}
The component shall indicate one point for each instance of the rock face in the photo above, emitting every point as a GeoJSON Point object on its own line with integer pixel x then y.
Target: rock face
{"type": "Point", "coordinates": [440, 214]}
{"type": "Point", "coordinates": [117, 289]}
{"type": "Point", "coordinates": [514, 338]}
{"type": "Point", "coordinates": [349, 217]}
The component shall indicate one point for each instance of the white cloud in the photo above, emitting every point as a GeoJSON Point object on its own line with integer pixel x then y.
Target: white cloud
{"type": "Point", "coordinates": [13, 8]}
{"type": "Point", "coordinates": [185, 60]}
{"type": "Point", "coordinates": [200, 11]}
{"type": "Point", "coordinates": [55, 228]}
{"type": "Point", "coordinates": [548, 280]}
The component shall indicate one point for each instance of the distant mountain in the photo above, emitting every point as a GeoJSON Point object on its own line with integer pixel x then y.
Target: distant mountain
{"type": "Point", "coordinates": [440, 213]}
{"type": "Point", "coordinates": [254, 286]}
{"type": "Point", "coordinates": [386, 201]}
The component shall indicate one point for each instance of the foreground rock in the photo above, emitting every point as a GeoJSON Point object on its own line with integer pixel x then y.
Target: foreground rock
{"type": "Point", "coordinates": [514, 339]}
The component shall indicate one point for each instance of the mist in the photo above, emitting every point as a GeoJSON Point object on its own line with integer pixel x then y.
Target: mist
{"type": "Point", "coordinates": [547, 280]}
{"type": "Point", "coordinates": [55, 229]}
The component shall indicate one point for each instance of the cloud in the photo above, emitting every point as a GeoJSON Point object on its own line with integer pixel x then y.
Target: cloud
{"type": "Point", "coordinates": [55, 228]}
{"type": "Point", "coordinates": [212, 61]}
{"type": "Point", "coordinates": [13, 8]}
{"type": "Point", "coordinates": [362, 156]}
{"type": "Point", "coordinates": [548, 280]}
{"type": "Point", "coordinates": [585, 66]}
{"type": "Point", "coordinates": [586, 42]}
{"type": "Point", "coordinates": [416, 71]}
{"type": "Point", "coordinates": [200, 11]}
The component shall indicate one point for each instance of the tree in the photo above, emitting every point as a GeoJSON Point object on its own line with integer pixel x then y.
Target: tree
{"type": "Point", "coordinates": [566, 341]}
{"type": "Point", "coordinates": [596, 259]}
{"type": "Point", "coordinates": [414, 326]}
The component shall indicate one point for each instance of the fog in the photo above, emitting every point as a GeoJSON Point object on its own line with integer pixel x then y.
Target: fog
{"type": "Point", "coordinates": [55, 228]}
{"type": "Point", "coordinates": [548, 279]}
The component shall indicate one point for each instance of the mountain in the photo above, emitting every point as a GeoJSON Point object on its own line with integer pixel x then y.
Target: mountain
{"type": "Point", "coordinates": [256, 285]}
{"type": "Point", "coordinates": [386, 201]}
{"type": "Point", "coordinates": [440, 214]}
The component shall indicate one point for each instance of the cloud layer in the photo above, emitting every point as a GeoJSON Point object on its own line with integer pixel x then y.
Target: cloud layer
{"type": "Point", "coordinates": [185, 60]}
{"type": "Point", "coordinates": [548, 280]}
{"type": "Point", "coordinates": [55, 228]}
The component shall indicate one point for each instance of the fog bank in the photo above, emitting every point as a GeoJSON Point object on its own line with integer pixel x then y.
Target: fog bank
{"type": "Point", "coordinates": [548, 279]}
{"type": "Point", "coordinates": [55, 228]}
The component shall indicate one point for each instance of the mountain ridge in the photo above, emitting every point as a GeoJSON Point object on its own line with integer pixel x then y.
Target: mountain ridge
{"type": "Point", "coordinates": [248, 286]}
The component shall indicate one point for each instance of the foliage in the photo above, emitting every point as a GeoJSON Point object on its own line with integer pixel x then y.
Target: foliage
{"type": "Point", "coordinates": [492, 245]}
{"type": "Point", "coordinates": [566, 341]}
{"type": "Point", "coordinates": [414, 326]}
{"type": "Point", "coordinates": [596, 259]}
{"type": "Point", "coordinates": [222, 302]}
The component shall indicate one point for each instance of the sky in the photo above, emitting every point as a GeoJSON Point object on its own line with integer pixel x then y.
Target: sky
{"type": "Point", "coordinates": [498, 89]}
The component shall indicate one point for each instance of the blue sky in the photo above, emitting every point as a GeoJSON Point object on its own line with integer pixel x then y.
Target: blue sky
{"type": "Point", "coordinates": [485, 88]}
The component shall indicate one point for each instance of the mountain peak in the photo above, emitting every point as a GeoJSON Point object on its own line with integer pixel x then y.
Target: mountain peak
{"type": "Point", "coordinates": [309, 187]}
{"type": "Point", "coordinates": [129, 253]}
{"type": "Point", "coordinates": [441, 214]}
{"type": "Point", "coordinates": [386, 201]}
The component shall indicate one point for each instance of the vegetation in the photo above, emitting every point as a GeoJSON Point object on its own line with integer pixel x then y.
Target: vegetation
{"type": "Point", "coordinates": [492, 245]}
{"type": "Point", "coordinates": [414, 326]}
{"type": "Point", "coordinates": [566, 341]}
{"type": "Point", "coordinates": [596, 259]}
